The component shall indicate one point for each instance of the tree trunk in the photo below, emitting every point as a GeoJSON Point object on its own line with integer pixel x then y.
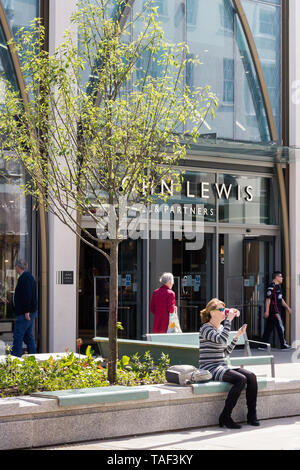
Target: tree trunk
{"type": "Point", "coordinates": [113, 313]}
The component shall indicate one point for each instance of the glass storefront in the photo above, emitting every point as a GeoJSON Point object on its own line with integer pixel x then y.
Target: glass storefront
{"type": "Point", "coordinates": [15, 239]}
{"type": "Point", "coordinates": [236, 254]}
{"type": "Point", "coordinates": [16, 215]}
{"type": "Point", "coordinates": [230, 205]}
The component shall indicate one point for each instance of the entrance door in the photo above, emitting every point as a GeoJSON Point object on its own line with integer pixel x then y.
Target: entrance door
{"type": "Point", "coordinates": [245, 268]}
{"type": "Point", "coordinates": [192, 270]}
{"type": "Point", "coordinates": [193, 281]}
{"type": "Point", "coordinates": [258, 268]}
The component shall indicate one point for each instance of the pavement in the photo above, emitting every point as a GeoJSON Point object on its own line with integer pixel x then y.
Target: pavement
{"type": "Point", "coordinates": [273, 434]}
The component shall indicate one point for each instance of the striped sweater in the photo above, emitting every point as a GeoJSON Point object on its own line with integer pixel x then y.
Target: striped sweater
{"type": "Point", "coordinates": [214, 349]}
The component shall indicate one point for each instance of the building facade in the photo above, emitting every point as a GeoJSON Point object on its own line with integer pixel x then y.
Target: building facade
{"type": "Point", "coordinates": [241, 178]}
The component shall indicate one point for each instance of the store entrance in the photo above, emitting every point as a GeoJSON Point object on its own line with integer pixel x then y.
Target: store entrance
{"type": "Point", "coordinates": [245, 267]}
{"type": "Point", "coordinates": [193, 276]}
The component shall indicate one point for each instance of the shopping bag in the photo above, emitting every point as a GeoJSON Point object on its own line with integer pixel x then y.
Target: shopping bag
{"type": "Point", "coordinates": [174, 325]}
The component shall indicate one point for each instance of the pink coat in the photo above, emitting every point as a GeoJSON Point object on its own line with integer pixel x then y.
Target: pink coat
{"type": "Point", "coordinates": [162, 303]}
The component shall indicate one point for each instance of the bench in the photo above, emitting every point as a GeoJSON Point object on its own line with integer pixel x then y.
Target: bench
{"type": "Point", "coordinates": [193, 339]}
{"type": "Point", "coordinates": [221, 387]}
{"type": "Point", "coordinates": [184, 351]}
{"type": "Point", "coordinates": [178, 353]}
{"type": "Point", "coordinates": [120, 393]}
{"type": "Point", "coordinates": [90, 396]}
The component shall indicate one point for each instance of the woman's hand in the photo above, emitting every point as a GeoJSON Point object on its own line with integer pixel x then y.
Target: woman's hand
{"type": "Point", "coordinates": [233, 312]}
{"type": "Point", "coordinates": [242, 330]}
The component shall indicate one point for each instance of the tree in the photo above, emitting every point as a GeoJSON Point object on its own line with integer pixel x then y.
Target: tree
{"type": "Point", "coordinates": [106, 122]}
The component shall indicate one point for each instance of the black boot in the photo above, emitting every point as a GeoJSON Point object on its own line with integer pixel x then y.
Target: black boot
{"type": "Point", "coordinates": [226, 420]}
{"type": "Point", "coordinates": [252, 418]}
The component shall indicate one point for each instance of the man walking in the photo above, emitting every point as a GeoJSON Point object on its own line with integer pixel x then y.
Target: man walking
{"type": "Point", "coordinates": [25, 303]}
{"type": "Point", "coordinates": [274, 304]}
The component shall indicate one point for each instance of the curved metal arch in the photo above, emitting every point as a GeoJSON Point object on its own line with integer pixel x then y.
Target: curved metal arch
{"type": "Point", "coordinates": [42, 214]}
{"type": "Point", "coordinates": [274, 136]}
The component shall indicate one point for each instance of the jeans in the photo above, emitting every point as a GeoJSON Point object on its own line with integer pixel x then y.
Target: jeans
{"type": "Point", "coordinates": [23, 331]}
{"type": "Point", "coordinates": [240, 378]}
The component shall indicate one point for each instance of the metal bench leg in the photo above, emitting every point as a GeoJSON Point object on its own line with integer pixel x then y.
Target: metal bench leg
{"type": "Point", "coordinates": [273, 368]}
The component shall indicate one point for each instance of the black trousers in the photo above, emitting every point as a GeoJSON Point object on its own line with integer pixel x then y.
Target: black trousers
{"type": "Point", "coordinates": [274, 321]}
{"type": "Point", "coordinates": [240, 378]}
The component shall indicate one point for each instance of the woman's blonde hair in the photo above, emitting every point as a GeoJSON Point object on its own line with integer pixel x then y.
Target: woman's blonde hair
{"type": "Point", "coordinates": [212, 305]}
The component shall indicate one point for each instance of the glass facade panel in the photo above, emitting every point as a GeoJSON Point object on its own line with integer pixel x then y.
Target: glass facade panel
{"type": "Point", "coordinates": [6, 67]}
{"type": "Point", "coordinates": [215, 35]}
{"type": "Point", "coordinates": [250, 117]}
{"type": "Point", "coordinates": [197, 188]}
{"type": "Point", "coordinates": [265, 23]}
{"type": "Point", "coordinates": [171, 16]}
{"type": "Point", "coordinates": [20, 13]}
{"type": "Point", "coordinates": [15, 209]}
{"type": "Point", "coordinates": [15, 232]}
{"type": "Point", "coordinates": [239, 199]}
{"type": "Point", "coordinates": [209, 30]}
{"type": "Point", "coordinates": [248, 200]}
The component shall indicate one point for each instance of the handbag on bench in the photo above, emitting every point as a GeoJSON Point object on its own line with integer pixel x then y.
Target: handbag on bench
{"type": "Point", "coordinates": [187, 375]}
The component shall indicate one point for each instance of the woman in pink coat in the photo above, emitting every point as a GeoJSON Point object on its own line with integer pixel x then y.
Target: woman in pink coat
{"type": "Point", "coordinates": [162, 303]}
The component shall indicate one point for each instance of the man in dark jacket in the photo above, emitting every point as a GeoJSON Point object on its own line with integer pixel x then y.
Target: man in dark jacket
{"type": "Point", "coordinates": [274, 304]}
{"type": "Point", "coordinates": [25, 303]}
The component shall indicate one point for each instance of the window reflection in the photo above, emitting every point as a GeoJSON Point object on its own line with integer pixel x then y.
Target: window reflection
{"type": "Point", "coordinates": [6, 68]}
{"type": "Point", "coordinates": [15, 231]}
{"type": "Point", "coordinates": [265, 23]}
{"type": "Point", "coordinates": [215, 36]}
{"type": "Point", "coordinates": [15, 208]}
{"type": "Point", "coordinates": [251, 200]}
{"type": "Point", "coordinates": [20, 13]}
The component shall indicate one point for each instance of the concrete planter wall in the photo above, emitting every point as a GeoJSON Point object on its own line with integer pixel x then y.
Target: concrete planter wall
{"type": "Point", "coordinates": [31, 421]}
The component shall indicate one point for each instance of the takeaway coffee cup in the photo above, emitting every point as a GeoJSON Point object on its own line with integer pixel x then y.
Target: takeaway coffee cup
{"type": "Point", "coordinates": [229, 310]}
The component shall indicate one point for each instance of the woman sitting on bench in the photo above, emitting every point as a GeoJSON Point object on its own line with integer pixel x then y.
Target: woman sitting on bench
{"type": "Point", "coordinates": [213, 349]}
